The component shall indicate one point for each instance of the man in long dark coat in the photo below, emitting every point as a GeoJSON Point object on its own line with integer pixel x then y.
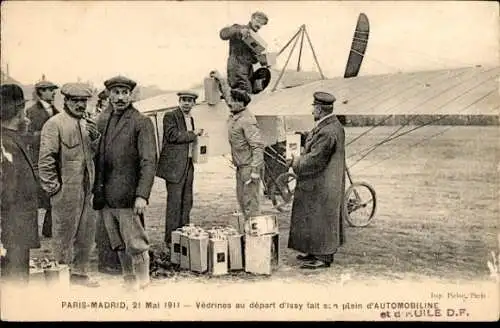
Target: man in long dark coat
{"type": "Point", "coordinates": [316, 227]}
{"type": "Point", "coordinates": [241, 56]}
{"type": "Point", "coordinates": [18, 218]}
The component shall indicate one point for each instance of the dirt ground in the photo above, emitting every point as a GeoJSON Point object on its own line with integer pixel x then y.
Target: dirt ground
{"type": "Point", "coordinates": [437, 212]}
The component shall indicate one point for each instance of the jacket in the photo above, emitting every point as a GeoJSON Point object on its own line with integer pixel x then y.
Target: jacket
{"type": "Point", "coordinates": [19, 208]}
{"type": "Point", "coordinates": [316, 225]}
{"type": "Point", "coordinates": [173, 162]}
{"type": "Point", "coordinates": [125, 161]}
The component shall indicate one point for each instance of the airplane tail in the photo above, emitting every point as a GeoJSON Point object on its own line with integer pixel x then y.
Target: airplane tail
{"type": "Point", "coordinates": [358, 46]}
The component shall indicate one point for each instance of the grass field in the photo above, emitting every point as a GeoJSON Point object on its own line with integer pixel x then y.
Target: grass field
{"type": "Point", "coordinates": [437, 213]}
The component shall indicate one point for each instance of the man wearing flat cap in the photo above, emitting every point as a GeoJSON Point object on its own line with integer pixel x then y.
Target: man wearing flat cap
{"type": "Point", "coordinates": [66, 168]}
{"type": "Point", "coordinates": [19, 192]}
{"type": "Point", "coordinates": [316, 227]}
{"type": "Point", "coordinates": [176, 162]}
{"type": "Point", "coordinates": [125, 171]}
{"type": "Point", "coordinates": [38, 114]}
{"type": "Point", "coordinates": [241, 56]}
{"type": "Point", "coordinates": [247, 148]}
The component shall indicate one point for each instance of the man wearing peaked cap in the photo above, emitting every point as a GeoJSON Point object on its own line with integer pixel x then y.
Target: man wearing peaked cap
{"type": "Point", "coordinates": [38, 114]}
{"type": "Point", "coordinates": [187, 94]}
{"type": "Point", "coordinates": [247, 148]}
{"type": "Point", "coordinates": [125, 171]}
{"type": "Point", "coordinates": [108, 261]}
{"type": "Point", "coordinates": [176, 162]}
{"type": "Point", "coordinates": [68, 144]}
{"type": "Point", "coordinates": [120, 81]}
{"type": "Point", "coordinates": [76, 91]}
{"type": "Point", "coordinates": [316, 227]}
{"type": "Point", "coordinates": [19, 192]}
{"type": "Point", "coordinates": [323, 98]}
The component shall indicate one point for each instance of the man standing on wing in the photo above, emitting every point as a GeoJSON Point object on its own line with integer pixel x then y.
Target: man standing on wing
{"type": "Point", "coordinates": [241, 56]}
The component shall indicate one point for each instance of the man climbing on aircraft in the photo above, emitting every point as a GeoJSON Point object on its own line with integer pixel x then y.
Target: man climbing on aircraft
{"type": "Point", "coordinates": [241, 57]}
{"type": "Point", "coordinates": [247, 147]}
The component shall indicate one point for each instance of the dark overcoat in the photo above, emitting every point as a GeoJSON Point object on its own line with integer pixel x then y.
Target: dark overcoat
{"type": "Point", "coordinates": [37, 116]}
{"type": "Point", "coordinates": [19, 209]}
{"type": "Point", "coordinates": [316, 224]}
{"type": "Point", "coordinates": [173, 162]}
{"type": "Point", "coordinates": [125, 160]}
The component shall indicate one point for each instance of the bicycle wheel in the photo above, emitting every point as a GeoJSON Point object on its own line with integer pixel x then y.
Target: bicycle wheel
{"type": "Point", "coordinates": [360, 204]}
{"type": "Point", "coordinates": [281, 192]}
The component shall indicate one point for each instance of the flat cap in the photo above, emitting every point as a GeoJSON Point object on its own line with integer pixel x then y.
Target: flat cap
{"type": "Point", "coordinates": [120, 81]}
{"type": "Point", "coordinates": [76, 90]}
{"type": "Point", "coordinates": [45, 85]}
{"type": "Point", "coordinates": [103, 94]}
{"type": "Point", "coordinates": [323, 98]}
{"type": "Point", "coordinates": [10, 94]}
{"type": "Point", "coordinates": [240, 95]}
{"type": "Point", "coordinates": [260, 15]}
{"type": "Point", "coordinates": [187, 94]}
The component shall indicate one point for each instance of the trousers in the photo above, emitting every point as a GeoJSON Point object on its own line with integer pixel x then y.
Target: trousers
{"type": "Point", "coordinates": [247, 192]}
{"type": "Point", "coordinates": [179, 202]}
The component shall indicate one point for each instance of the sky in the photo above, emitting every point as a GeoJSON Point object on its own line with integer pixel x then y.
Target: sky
{"type": "Point", "coordinates": [174, 45]}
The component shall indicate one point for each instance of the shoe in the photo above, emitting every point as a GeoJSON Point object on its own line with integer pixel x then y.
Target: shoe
{"type": "Point", "coordinates": [307, 257]}
{"type": "Point", "coordinates": [130, 283]}
{"type": "Point", "coordinates": [110, 270]}
{"type": "Point", "coordinates": [83, 280]}
{"type": "Point", "coordinates": [316, 264]}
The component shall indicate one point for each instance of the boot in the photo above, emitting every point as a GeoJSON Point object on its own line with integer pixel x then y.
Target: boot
{"type": "Point", "coordinates": [141, 268]}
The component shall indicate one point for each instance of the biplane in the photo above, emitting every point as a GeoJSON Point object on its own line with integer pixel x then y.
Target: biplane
{"type": "Point", "coordinates": [408, 101]}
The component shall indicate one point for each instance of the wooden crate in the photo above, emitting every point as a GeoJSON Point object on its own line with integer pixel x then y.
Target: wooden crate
{"type": "Point", "coordinates": [57, 276]}
{"type": "Point", "coordinates": [175, 247]}
{"type": "Point", "coordinates": [198, 253]}
{"type": "Point", "coordinates": [217, 257]}
{"type": "Point", "coordinates": [261, 253]}
{"type": "Point", "coordinates": [184, 262]}
{"type": "Point", "coordinates": [236, 252]}
{"type": "Point", "coordinates": [262, 225]}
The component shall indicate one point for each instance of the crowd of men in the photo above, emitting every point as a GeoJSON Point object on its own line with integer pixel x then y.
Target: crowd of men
{"type": "Point", "coordinates": [93, 174]}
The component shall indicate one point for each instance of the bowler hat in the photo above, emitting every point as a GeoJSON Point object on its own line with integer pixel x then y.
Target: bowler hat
{"type": "Point", "coordinates": [263, 74]}
{"type": "Point", "coordinates": [45, 85]}
{"type": "Point", "coordinates": [121, 81]}
{"type": "Point", "coordinates": [323, 98]}
{"type": "Point", "coordinates": [76, 90]}
{"type": "Point", "coordinates": [187, 94]}
{"type": "Point", "coordinates": [11, 97]}
{"type": "Point", "coordinates": [240, 95]}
